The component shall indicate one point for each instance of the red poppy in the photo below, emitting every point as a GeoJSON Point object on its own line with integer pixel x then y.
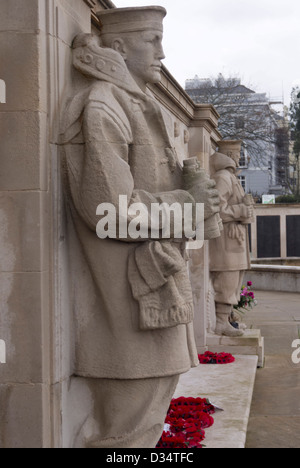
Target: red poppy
{"type": "Point", "coordinates": [215, 358]}
{"type": "Point", "coordinates": [169, 440]}
{"type": "Point", "coordinates": [187, 418]}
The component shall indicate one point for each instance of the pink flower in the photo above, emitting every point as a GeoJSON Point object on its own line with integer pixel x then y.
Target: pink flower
{"type": "Point", "coordinates": [249, 283]}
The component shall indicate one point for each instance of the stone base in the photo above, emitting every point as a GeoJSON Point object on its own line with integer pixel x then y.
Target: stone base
{"type": "Point", "coordinates": [252, 343]}
{"type": "Point", "coordinates": [229, 387]}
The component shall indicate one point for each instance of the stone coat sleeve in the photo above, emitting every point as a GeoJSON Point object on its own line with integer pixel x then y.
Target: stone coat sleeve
{"type": "Point", "coordinates": [106, 173]}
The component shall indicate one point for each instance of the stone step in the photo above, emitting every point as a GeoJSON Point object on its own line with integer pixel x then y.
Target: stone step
{"type": "Point", "coordinates": [252, 343]}
{"type": "Point", "coordinates": [229, 387]}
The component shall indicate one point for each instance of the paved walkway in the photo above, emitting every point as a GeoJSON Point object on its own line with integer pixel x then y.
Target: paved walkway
{"type": "Point", "coordinates": [275, 412]}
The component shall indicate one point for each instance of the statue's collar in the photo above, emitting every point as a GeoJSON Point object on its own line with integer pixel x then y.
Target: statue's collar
{"type": "Point", "coordinates": [104, 64]}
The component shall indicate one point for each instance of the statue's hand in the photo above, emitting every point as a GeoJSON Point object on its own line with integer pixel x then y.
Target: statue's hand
{"type": "Point", "coordinates": [248, 200]}
{"type": "Point", "coordinates": [205, 192]}
{"type": "Point", "coordinates": [250, 212]}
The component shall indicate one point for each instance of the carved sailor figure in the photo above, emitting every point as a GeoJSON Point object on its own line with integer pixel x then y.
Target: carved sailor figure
{"type": "Point", "coordinates": [133, 303]}
{"type": "Point", "coordinates": [229, 254]}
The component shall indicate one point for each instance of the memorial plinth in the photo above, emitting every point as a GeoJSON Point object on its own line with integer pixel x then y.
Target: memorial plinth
{"type": "Point", "coordinates": [251, 344]}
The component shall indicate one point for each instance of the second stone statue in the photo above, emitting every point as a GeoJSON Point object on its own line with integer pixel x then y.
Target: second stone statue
{"type": "Point", "coordinates": [230, 254]}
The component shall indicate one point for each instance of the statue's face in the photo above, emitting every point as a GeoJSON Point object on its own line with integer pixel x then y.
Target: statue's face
{"type": "Point", "coordinates": [143, 53]}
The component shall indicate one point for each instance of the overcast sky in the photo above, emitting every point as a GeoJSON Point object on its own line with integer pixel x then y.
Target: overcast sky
{"type": "Point", "coordinates": [258, 40]}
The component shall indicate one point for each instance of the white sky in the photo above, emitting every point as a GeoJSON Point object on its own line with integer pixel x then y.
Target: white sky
{"type": "Point", "coordinates": [258, 40]}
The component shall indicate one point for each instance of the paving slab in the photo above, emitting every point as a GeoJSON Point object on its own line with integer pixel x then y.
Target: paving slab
{"type": "Point", "coordinates": [275, 413]}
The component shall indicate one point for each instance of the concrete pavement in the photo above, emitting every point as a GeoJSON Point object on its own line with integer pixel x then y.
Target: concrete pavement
{"type": "Point", "coordinates": [275, 412]}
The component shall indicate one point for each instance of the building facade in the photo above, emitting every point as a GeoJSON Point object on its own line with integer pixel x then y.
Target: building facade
{"type": "Point", "coordinates": [250, 117]}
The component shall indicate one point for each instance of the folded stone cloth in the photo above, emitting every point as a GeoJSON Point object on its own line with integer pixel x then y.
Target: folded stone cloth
{"type": "Point", "coordinates": [236, 231]}
{"type": "Point", "coordinates": [159, 281]}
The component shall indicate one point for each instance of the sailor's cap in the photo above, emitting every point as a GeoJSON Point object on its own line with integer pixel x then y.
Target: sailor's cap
{"type": "Point", "coordinates": [122, 20]}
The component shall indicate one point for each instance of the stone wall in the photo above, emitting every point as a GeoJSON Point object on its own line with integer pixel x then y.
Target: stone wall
{"type": "Point", "coordinates": [276, 232]}
{"type": "Point", "coordinates": [37, 394]}
{"type": "Point", "coordinates": [35, 39]}
{"type": "Point", "coordinates": [275, 278]}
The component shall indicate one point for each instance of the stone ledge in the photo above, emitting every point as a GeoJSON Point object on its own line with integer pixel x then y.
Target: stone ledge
{"type": "Point", "coordinates": [230, 387]}
{"type": "Point", "coordinates": [276, 268]}
{"type": "Point", "coordinates": [252, 344]}
{"type": "Point", "coordinates": [275, 278]}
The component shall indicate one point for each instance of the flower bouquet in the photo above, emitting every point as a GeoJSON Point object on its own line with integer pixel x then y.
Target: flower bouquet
{"type": "Point", "coordinates": [247, 302]}
{"type": "Point", "coordinates": [247, 299]}
{"type": "Point", "coordinates": [185, 423]}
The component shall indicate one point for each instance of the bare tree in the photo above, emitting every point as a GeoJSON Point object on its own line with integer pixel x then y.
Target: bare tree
{"type": "Point", "coordinates": [295, 139]}
{"type": "Point", "coordinates": [245, 114]}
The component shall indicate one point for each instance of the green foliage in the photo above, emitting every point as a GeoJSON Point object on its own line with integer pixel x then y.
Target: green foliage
{"type": "Point", "coordinates": [288, 199]}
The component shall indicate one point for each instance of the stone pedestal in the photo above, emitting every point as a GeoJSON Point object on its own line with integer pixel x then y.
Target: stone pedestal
{"type": "Point", "coordinates": [252, 344]}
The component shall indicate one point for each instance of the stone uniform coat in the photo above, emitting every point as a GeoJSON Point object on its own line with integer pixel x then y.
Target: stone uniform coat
{"type": "Point", "coordinates": [116, 143]}
{"type": "Point", "coordinates": [230, 252]}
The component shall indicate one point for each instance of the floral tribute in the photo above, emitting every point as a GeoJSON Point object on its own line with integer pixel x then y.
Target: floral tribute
{"type": "Point", "coordinates": [187, 418]}
{"type": "Point", "coordinates": [247, 299]}
{"type": "Point", "coordinates": [215, 358]}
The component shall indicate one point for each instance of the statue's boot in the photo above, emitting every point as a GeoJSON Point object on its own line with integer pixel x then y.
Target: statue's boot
{"type": "Point", "coordinates": [223, 326]}
{"type": "Point", "coordinates": [236, 318]}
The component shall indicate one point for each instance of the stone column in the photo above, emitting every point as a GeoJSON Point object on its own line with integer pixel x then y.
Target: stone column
{"type": "Point", "coordinates": [203, 142]}
{"type": "Point", "coordinates": [24, 234]}
{"type": "Point", "coordinates": [35, 56]}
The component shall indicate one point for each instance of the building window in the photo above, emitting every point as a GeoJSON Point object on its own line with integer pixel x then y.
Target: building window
{"type": "Point", "coordinates": [243, 160]}
{"type": "Point", "coordinates": [242, 180]}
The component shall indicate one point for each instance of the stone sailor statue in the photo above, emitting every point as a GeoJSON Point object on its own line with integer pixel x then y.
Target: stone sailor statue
{"type": "Point", "coordinates": [229, 254]}
{"type": "Point", "coordinates": [132, 300]}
